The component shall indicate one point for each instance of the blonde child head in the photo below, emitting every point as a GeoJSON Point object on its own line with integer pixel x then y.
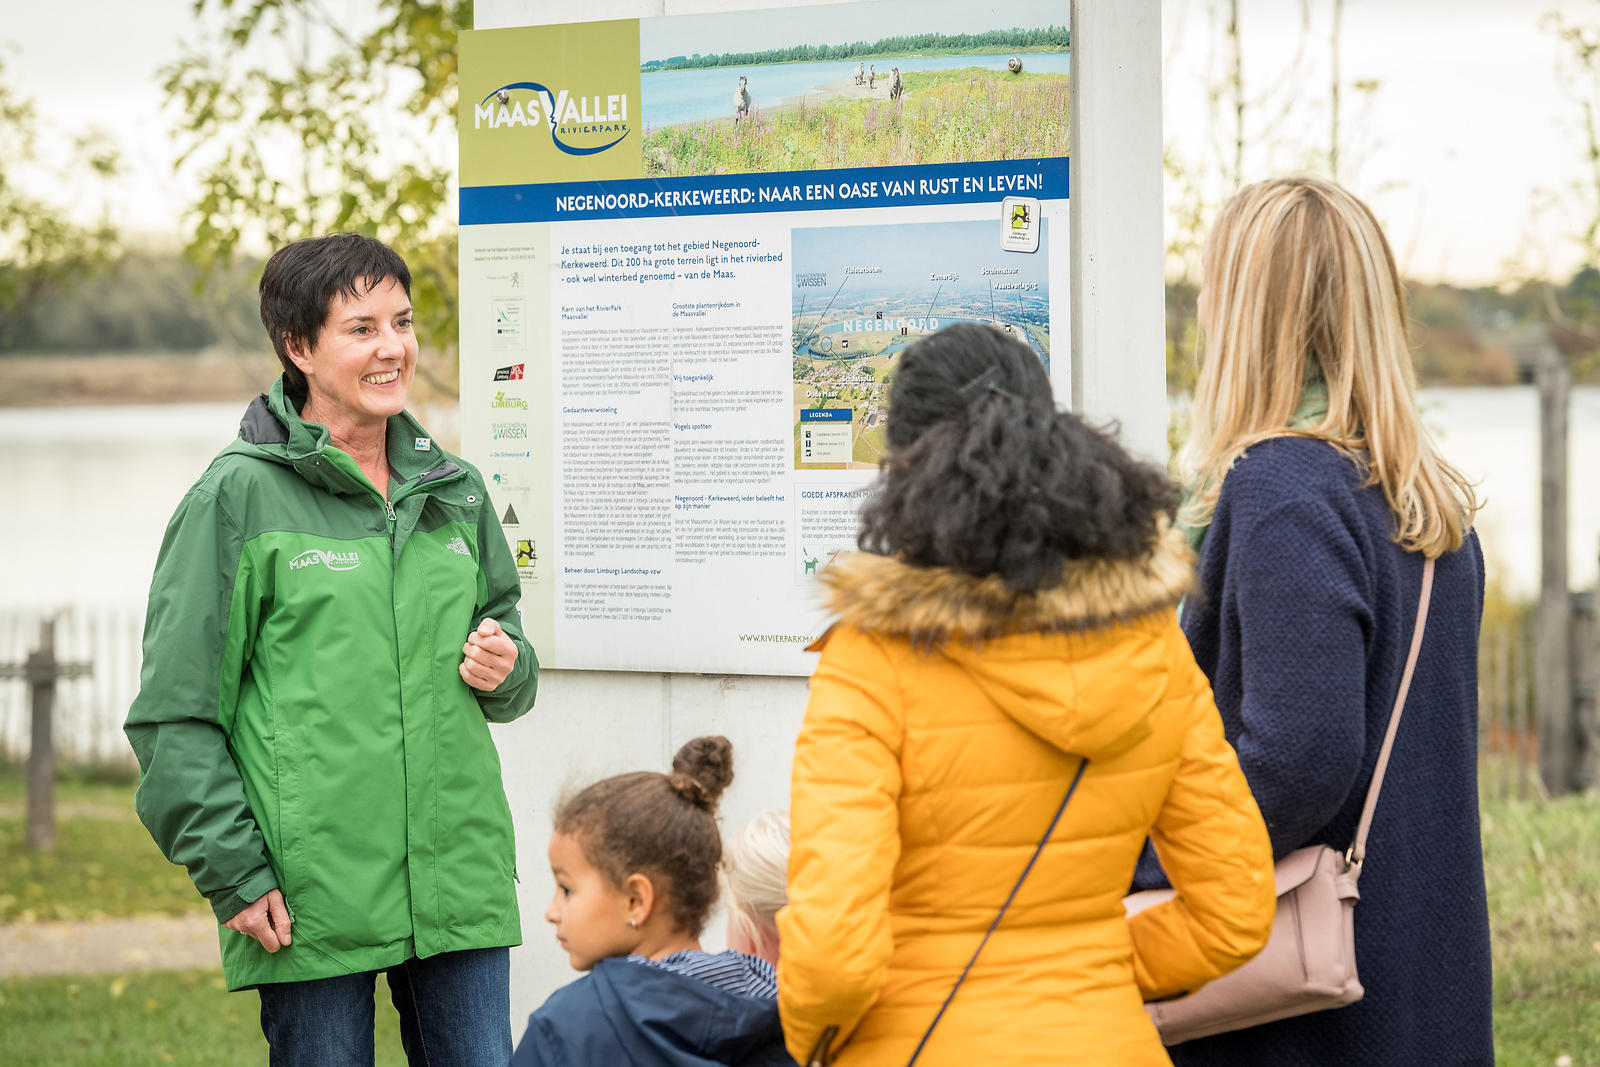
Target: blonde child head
{"type": "Point", "coordinates": [755, 867]}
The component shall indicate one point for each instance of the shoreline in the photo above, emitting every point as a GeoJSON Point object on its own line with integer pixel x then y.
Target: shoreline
{"type": "Point", "coordinates": [1033, 50]}
{"type": "Point", "coordinates": [826, 93]}
{"type": "Point", "coordinates": [214, 376]}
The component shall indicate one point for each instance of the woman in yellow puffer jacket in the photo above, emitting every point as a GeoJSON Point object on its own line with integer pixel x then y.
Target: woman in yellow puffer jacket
{"type": "Point", "coordinates": [1011, 617]}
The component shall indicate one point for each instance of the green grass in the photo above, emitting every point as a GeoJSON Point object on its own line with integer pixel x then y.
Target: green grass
{"type": "Point", "coordinates": [947, 116]}
{"type": "Point", "coordinates": [89, 783]}
{"type": "Point", "coordinates": [101, 867]}
{"type": "Point", "coordinates": [1542, 863]}
{"type": "Point", "coordinates": [157, 1017]}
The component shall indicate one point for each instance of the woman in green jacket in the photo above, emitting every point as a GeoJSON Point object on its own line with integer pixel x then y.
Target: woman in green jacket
{"type": "Point", "coordinates": [332, 624]}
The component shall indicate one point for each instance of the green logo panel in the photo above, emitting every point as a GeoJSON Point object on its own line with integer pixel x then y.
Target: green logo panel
{"type": "Point", "coordinates": [551, 104]}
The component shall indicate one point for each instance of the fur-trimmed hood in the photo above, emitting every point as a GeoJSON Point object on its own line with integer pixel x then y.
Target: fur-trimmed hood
{"type": "Point", "coordinates": [1091, 696]}
{"type": "Point", "coordinates": [931, 605]}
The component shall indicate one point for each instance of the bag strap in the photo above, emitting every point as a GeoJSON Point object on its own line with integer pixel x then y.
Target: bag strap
{"type": "Point", "coordinates": [1358, 849]}
{"type": "Point", "coordinates": [1048, 830]}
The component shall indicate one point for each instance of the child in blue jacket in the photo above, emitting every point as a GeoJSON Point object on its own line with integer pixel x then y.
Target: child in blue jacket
{"type": "Point", "coordinates": [635, 862]}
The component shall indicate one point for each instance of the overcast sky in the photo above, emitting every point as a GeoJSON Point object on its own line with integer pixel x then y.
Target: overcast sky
{"type": "Point", "coordinates": [1467, 125]}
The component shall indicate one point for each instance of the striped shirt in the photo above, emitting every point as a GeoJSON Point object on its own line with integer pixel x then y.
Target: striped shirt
{"type": "Point", "coordinates": [732, 972]}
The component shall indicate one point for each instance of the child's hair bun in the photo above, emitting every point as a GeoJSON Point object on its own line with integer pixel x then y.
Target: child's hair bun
{"type": "Point", "coordinates": [701, 770]}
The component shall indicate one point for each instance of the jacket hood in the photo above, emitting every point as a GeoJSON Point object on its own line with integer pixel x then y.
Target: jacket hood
{"type": "Point", "coordinates": [272, 429]}
{"type": "Point", "coordinates": [626, 1012]}
{"type": "Point", "coordinates": [1063, 662]}
{"type": "Point", "coordinates": [273, 424]}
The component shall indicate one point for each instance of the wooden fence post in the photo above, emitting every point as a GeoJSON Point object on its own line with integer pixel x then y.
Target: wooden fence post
{"type": "Point", "coordinates": [41, 743]}
{"type": "Point", "coordinates": [1554, 649]}
{"type": "Point", "coordinates": [42, 671]}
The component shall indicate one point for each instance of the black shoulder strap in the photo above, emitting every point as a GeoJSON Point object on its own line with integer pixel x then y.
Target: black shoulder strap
{"type": "Point", "coordinates": [1076, 778]}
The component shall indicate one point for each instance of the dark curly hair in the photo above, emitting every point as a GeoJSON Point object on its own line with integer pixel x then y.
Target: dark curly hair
{"type": "Point", "coordinates": [663, 826]}
{"type": "Point", "coordinates": [984, 476]}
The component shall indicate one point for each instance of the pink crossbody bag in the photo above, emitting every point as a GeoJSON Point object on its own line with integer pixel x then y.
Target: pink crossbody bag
{"type": "Point", "coordinates": [1309, 963]}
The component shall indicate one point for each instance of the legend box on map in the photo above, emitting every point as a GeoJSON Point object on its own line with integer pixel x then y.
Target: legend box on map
{"type": "Point", "coordinates": [825, 435]}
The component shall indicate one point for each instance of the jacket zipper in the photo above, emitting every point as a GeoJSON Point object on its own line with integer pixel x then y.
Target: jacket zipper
{"type": "Point", "coordinates": [445, 472]}
{"type": "Point", "coordinates": [388, 508]}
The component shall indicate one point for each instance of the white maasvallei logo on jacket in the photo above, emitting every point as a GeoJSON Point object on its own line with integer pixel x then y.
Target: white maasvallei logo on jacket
{"type": "Point", "coordinates": [334, 561]}
{"type": "Point", "coordinates": [458, 544]}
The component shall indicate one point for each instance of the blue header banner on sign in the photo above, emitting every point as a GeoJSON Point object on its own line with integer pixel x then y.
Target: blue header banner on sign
{"type": "Point", "coordinates": [825, 415]}
{"type": "Point", "coordinates": [730, 194]}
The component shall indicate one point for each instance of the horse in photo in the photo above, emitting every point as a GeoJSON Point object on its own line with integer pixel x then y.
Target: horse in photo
{"type": "Point", "coordinates": [741, 99]}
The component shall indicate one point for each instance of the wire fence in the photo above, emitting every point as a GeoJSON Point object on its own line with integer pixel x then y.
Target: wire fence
{"type": "Point", "coordinates": [89, 711]}
{"type": "Point", "coordinates": [1508, 730]}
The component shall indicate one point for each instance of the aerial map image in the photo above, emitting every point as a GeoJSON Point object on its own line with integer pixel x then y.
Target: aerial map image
{"type": "Point", "coordinates": [862, 294]}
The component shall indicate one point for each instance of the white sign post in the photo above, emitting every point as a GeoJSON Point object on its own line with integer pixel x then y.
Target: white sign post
{"type": "Point", "coordinates": [594, 722]}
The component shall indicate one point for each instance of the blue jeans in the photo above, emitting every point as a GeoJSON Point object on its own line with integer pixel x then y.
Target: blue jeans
{"type": "Point", "coordinates": [455, 1011]}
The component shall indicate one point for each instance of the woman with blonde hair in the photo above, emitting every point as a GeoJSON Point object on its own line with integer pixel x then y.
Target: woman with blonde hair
{"type": "Point", "coordinates": [1316, 496]}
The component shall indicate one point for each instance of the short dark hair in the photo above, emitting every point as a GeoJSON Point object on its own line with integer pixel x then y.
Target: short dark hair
{"type": "Point", "coordinates": [661, 825]}
{"type": "Point", "coordinates": [301, 279]}
{"type": "Point", "coordinates": [984, 476]}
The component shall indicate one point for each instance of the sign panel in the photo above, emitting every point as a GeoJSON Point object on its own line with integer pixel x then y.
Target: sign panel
{"type": "Point", "coordinates": [693, 250]}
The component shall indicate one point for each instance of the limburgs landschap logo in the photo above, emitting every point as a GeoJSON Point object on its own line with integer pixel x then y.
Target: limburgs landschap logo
{"type": "Point", "coordinates": [334, 561]}
{"type": "Point", "coordinates": [564, 115]}
{"type": "Point", "coordinates": [501, 400]}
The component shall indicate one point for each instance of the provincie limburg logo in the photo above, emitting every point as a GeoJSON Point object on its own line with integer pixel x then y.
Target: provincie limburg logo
{"type": "Point", "coordinates": [557, 111]}
{"type": "Point", "coordinates": [334, 561]}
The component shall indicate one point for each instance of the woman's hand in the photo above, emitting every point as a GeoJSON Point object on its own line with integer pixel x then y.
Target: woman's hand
{"type": "Point", "coordinates": [487, 657]}
{"type": "Point", "coordinates": [267, 920]}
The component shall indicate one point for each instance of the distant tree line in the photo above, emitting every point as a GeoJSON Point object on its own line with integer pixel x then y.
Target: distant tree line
{"type": "Point", "coordinates": [1460, 335]}
{"type": "Point", "coordinates": [1051, 38]}
{"type": "Point", "coordinates": [141, 302]}
{"type": "Point", "coordinates": [150, 302]}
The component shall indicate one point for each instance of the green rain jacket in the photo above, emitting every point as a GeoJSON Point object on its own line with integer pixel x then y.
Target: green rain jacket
{"type": "Point", "coordinates": [300, 722]}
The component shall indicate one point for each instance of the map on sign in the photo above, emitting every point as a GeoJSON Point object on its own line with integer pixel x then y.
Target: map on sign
{"type": "Point", "coordinates": [863, 294]}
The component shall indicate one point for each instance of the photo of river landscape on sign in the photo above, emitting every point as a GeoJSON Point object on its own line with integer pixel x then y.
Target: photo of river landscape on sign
{"type": "Point", "coordinates": [868, 94]}
{"type": "Point", "coordinates": [863, 294]}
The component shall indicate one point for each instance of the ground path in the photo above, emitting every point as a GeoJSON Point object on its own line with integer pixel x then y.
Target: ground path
{"type": "Point", "coordinates": [108, 946]}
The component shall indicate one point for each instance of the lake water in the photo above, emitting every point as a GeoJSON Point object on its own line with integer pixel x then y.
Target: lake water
{"type": "Point", "coordinates": [88, 491]}
{"type": "Point", "coordinates": [674, 96]}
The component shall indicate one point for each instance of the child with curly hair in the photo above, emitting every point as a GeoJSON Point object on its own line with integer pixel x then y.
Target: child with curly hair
{"type": "Point", "coordinates": [635, 860]}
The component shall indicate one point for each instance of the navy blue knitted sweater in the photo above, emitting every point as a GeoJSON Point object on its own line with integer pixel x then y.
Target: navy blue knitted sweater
{"type": "Point", "coordinates": [1303, 624]}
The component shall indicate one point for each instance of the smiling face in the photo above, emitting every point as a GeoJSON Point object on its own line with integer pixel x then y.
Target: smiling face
{"type": "Point", "coordinates": [590, 914]}
{"type": "Point", "coordinates": [359, 370]}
